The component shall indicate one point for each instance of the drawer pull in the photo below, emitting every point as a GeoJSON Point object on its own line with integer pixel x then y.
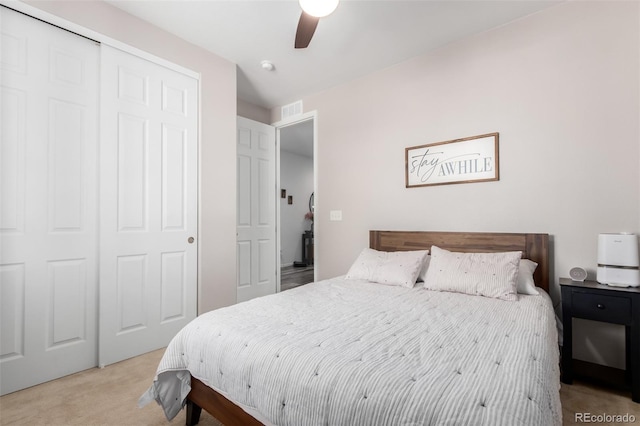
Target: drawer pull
{"type": "Point", "coordinates": [600, 306]}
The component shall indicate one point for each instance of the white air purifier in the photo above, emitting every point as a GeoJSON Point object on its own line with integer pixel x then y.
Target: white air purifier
{"type": "Point", "coordinates": [618, 260]}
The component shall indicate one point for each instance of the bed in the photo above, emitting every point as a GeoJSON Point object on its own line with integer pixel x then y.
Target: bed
{"type": "Point", "coordinates": [374, 354]}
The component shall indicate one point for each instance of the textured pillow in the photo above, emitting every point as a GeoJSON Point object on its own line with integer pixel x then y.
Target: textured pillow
{"type": "Point", "coordinates": [391, 268]}
{"type": "Point", "coordinates": [484, 274]}
{"type": "Point", "coordinates": [526, 285]}
{"type": "Point", "coordinates": [423, 272]}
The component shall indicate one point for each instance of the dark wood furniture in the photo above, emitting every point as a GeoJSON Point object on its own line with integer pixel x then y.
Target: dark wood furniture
{"type": "Point", "coordinates": [307, 248]}
{"type": "Point", "coordinates": [202, 396]}
{"type": "Point", "coordinates": [598, 302]}
{"type": "Point", "coordinates": [533, 246]}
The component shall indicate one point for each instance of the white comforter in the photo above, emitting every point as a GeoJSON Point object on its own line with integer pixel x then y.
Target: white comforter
{"type": "Point", "coordinates": [343, 352]}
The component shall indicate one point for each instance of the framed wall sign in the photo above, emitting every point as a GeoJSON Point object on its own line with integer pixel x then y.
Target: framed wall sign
{"type": "Point", "coordinates": [466, 160]}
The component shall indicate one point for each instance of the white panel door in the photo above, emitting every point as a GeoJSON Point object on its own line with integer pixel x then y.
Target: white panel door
{"type": "Point", "coordinates": [256, 221]}
{"type": "Point", "coordinates": [48, 210]}
{"type": "Point", "coordinates": [148, 198]}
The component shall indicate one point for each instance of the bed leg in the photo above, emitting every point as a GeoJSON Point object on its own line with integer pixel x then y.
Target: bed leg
{"type": "Point", "coordinates": [193, 413]}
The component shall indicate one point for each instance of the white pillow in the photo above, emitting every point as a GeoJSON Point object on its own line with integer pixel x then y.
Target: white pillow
{"type": "Point", "coordinates": [423, 272]}
{"type": "Point", "coordinates": [484, 274]}
{"type": "Point", "coordinates": [526, 285]}
{"type": "Point", "coordinates": [391, 268]}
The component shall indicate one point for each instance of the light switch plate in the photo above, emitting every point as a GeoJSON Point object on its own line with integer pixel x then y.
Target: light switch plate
{"type": "Point", "coordinates": [335, 215]}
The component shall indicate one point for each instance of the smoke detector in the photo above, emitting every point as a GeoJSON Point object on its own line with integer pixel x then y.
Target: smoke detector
{"type": "Point", "coordinates": [267, 65]}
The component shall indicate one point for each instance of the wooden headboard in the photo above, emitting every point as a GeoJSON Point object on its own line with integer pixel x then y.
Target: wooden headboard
{"type": "Point", "coordinates": [532, 246]}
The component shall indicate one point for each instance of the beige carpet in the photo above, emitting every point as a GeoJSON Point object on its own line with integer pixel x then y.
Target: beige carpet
{"type": "Point", "coordinates": [588, 399]}
{"type": "Point", "coordinates": [106, 396]}
{"type": "Point", "coordinates": [109, 397]}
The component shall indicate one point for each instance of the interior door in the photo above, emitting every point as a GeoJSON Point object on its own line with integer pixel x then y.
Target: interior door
{"type": "Point", "coordinates": [256, 221]}
{"type": "Point", "coordinates": [48, 212]}
{"type": "Point", "coordinates": [148, 198]}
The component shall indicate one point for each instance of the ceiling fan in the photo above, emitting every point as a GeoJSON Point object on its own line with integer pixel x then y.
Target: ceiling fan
{"type": "Point", "coordinates": [312, 11]}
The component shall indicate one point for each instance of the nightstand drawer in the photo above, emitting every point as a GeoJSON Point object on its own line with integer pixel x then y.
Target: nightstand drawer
{"type": "Point", "coordinates": [596, 307]}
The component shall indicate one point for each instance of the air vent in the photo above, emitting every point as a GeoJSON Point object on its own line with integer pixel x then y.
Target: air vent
{"type": "Point", "coordinates": [292, 110]}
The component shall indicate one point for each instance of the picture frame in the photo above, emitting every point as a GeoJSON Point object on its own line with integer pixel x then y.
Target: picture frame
{"type": "Point", "coordinates": [466, 160]}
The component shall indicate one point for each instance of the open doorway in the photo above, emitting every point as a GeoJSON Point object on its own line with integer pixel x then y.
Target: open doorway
{"type": "Point", "coordinates": [297, 204]}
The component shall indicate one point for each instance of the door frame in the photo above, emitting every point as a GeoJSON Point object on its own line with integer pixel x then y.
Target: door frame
{"type": "Point", "coordinates": [290, 121]}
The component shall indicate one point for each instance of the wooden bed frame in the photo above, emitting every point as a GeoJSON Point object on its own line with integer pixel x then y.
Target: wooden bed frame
{"type": "Point", "coordinates": [533, 246]}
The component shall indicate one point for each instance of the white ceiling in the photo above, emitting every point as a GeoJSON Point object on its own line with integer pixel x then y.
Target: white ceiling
{"type": "Point", "coordinates": [358, 38]}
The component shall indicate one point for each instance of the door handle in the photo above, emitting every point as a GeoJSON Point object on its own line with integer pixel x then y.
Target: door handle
{"type": "Point", "coordinates": [190, 240]}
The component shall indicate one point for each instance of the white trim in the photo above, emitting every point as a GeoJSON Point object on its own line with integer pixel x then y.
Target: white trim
{"type": "Point", "coordinates": [311, 115]}
{"type": "Point", "coordinates": [278, 227]}
{"type": "Point", "coordinates": [198, 201]}
{"type": "Point", "coordinates": [297, 119]}
{"type": "Point", "coordinates": [93, 35]}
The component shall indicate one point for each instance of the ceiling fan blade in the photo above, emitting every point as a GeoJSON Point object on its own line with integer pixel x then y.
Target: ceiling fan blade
{"type": "Point", "coordinates": [306, 27]}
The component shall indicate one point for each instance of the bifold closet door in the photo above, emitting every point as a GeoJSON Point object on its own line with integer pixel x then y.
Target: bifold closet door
{"type": "Point", "coordinates": [48, 211]}
{"type": "Point", "coordinates": [148, 199]}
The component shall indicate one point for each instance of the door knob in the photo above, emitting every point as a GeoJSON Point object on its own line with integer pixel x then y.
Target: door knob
{"type": "Point", "coordinates": [191, 240]}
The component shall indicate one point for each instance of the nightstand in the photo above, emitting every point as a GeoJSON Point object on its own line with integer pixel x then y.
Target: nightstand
{"type": "Point", "coordinates": [597, 302]}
